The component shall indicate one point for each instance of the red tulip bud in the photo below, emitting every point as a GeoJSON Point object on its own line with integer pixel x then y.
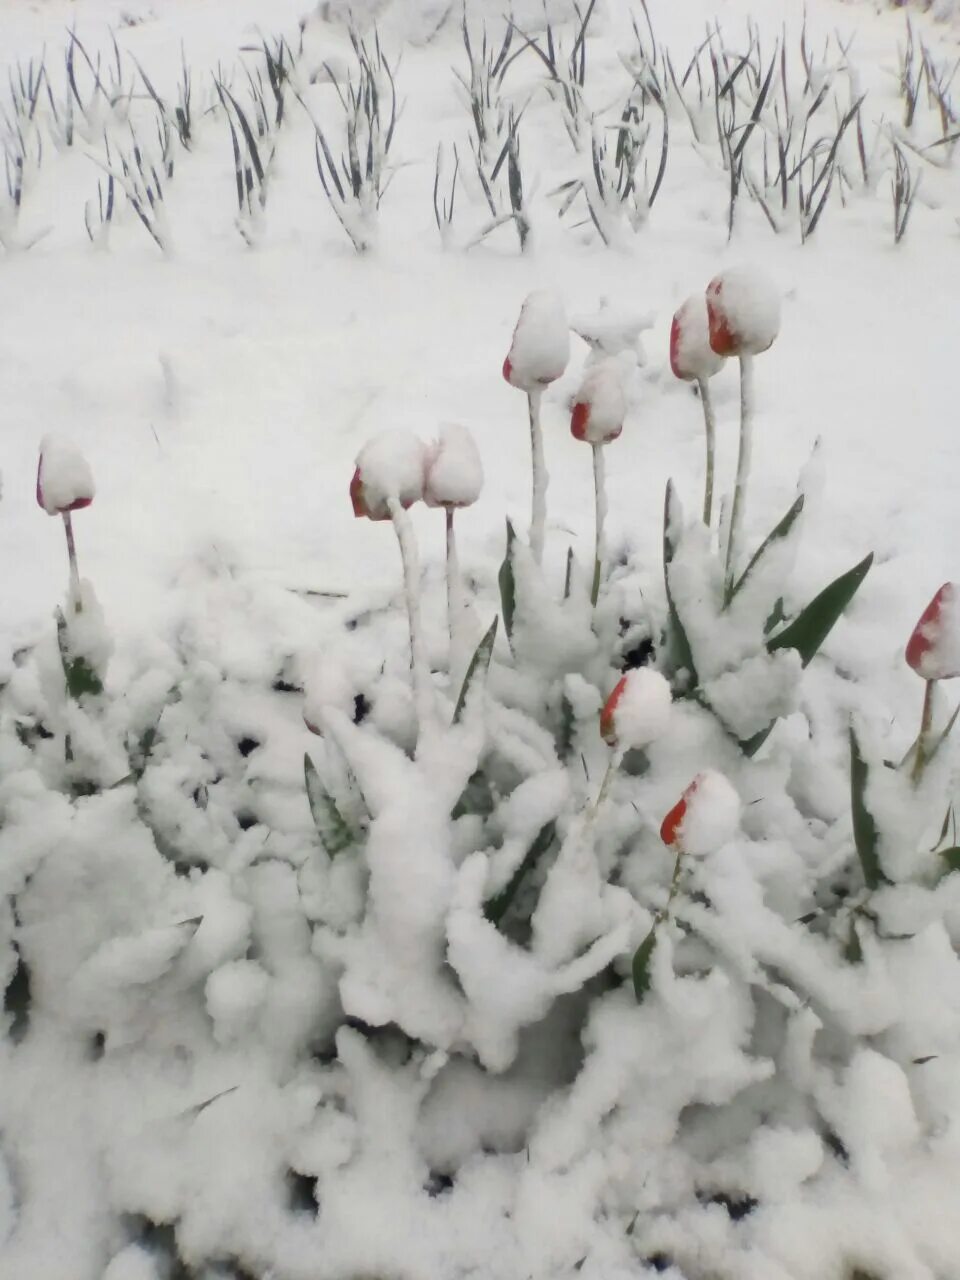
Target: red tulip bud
{"type": "Point", "coordinates": [637, 711]}
{"type": "Point", "coordinates": [743, 311]}
{"type": "Point", "coordinates": [64, 480]}
{"type": "Point", "coordinates": [933, 651]}
{"type": "Point", "coordinates": [691, 356]}
{"type": "Point", "coordinates": [704, 818]}
{"type": "Point", "coordinates": [540, 347]}
{"type": "Point", "coordinates": [600, 405]}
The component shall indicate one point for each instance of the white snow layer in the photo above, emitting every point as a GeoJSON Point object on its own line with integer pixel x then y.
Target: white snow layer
{"type": "Point", "coordinates": [540, 347]}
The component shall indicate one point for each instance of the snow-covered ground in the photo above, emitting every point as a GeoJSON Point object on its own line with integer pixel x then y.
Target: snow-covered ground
{"type": "Point", "coordinates": [181, 1068]}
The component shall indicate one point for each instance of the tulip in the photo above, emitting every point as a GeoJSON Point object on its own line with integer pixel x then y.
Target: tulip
{"type": "Point", "coordinates": [693, 360]}
{"type": "Point", "coordinates": [634, 715]}
{"type": "Point", "coordinates": [597, 418]}
{"type": "Point", "coordinates": [64, 485]}
{"type": "Point", "coordinates": [743, 312]}
{"type": "Point", "coordinates": [933, 652]}
{"type": "Point", "coordinates": [538, 355]}
{"type": "Point", "coordinates": [453, 477]}
{"type": "Point", "coordinates": [388, 479]}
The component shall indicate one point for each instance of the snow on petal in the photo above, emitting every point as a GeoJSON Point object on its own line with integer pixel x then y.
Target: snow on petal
{"type": "Point", "coordinates": [691, 356]}
{"type": "Point", "coordinates": [540, 347]}
{"type": "Point", "coordinates": [454, 472]}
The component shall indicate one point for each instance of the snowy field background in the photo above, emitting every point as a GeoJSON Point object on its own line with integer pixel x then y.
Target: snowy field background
{"type": "Point", "coordinates": [179, 1095]}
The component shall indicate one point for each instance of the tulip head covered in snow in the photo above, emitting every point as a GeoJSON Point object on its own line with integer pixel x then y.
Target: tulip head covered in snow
{"type": "Point", "coordinates": [453, 475]}
{"type": "Point", "coordinates": [691, 356]}
{"type": "Point", "coordinates": [743, 312]}
{"type": "Point", "coordinates": [933, 651]}
{"type": "Point", "coordinates": [64, 480]}
{"type": "Point", "coordinates": [637, 711]}
{"type": "Point", "coordinates": [600, 406]}
{"type": "Point", "coordinates": [704, 818]}
{"type": "Point", "coordinates": [540, 347]}
{"type": "Point", "coordinates": [390, 466]}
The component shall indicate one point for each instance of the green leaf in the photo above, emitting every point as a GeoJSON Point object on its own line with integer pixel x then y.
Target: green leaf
{"type": "Point", "coordinates": [777, 616]}
{"type": "Point", "coordinates": [508, 585]}
{"type": "Point", "coordinates": [477, 670]}
{"type": "Point", "coordinates": [776, 534]}
{"type": "Point", "coordinates": [568, 576]}
{"type": "Point", "coordinates": [807, 632]}
{"type": "Point", "coordinates": [497, 907]}
{"type": "Point", "coordinates": [565, 734]}
{"type": "Point", "coordinates": [477, 797]}
{"type": "Point", "coordinates": [943, 737]}
{"type": "Point", "coordinates": [864, 827]}
{"type": "Point", "coordinates": [331, 826]}
{"type": "Point", "coordinates": [80, 676]}
{"type": "Point", "coordinates": [682, 653]}
{"type": "Point", "coordinates": [853, 951]}
{"type": "Point", "coordinates": [951, 858]}
{"type": "Point", "coordinates": [642, 958]}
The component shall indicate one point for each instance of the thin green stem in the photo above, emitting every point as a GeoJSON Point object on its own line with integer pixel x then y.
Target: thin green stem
{"type": "Point", "coordinates": [709, 422]}
{"type": "Point", "coordinates": [743, 471]}
{"type": "Point", "coordinates": [411, 580]}
{"type": "Point", "coordinates": [600, 504]}
{"type": "Point", "coordinates": [538, 513]}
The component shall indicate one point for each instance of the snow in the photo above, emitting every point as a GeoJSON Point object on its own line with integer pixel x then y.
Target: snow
{"type": "Point", "coordinates": [64, 478]}
{"type": "Point", "coordinates": [454, 472]}
{"type": "Point", "coordinates": [743, 307]}
{"type": "Point", "coordinates": [229, 1051]}
{"type": "Point", "coordinates": [540, 347]}
{"type": "Point", "coordinates": [637, 712]}
{"type": "Point", "coordinates": [599, 406]}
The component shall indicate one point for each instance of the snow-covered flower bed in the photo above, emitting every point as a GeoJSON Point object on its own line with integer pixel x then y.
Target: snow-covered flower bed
{"type": "Point", "coordinates": [476, 810]}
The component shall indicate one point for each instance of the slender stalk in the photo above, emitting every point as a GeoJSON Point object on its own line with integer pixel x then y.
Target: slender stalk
{"type": "Point", "coordinates": [411, 580]}
{"type": "Point", "coordinates": [538, 513]}
{"type": "Point", "coordinates": [923, 741]}
{"type": "Point", "coordinates": [709, 422]}
{"type": "Point", "coordinates": [600, 499]}
{"type": "Point", "coordinates": [616, 758]}
{"type": "Point", "coordinates": [743, 470]}
{"type": "Point", "coordinates": [72, 557]}
{"type": "Point", "coordinates": [456, 605]}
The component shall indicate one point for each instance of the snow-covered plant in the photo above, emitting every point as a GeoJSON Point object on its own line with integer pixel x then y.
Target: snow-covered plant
{"type": "Point", "coordinates": [356, 183]}
{"type": "Point", "coordinates": [538, 355]}
{"type": "Point", "coordinates": [597, 418]}
{"type": "Point", "coordinates": [743, 311]}
{"type": "Point", "coordinates": [453, 478]}
{"type": "Point", "coordinates": [933, 652]}
{"type": "Point", "coordinates": [693, 360]}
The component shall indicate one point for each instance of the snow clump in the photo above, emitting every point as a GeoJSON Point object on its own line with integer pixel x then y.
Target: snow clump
{"type": "Point", "coordinates": [540, 347]}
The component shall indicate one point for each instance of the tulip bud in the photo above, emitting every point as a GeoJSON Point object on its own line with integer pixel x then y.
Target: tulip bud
{"type": "Point", "coordinates": [933, 651]}
{"type": "Point", "coordinates": [743, 311]}
{"type": "Point", "coordinates": [540, 347]}
{"type": "Point", "coordinates": [691, 356]}
{"type": "Point", "coordinates": [637, 711]}
{"type": "Point", "coordinates": [64, 480]}
{"type": "Point", "coordinates": [704, 818]}
{"type": "Point", "coordinates": [454, 473]}
{"type": "Point", "coordinates": [600, 405]}
{"type": "Point", "coordinates": [389, 466]}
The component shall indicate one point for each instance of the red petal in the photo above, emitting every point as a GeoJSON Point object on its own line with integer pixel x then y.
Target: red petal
{"type": "Point", "coordinates": [672, 824]}
{"type": "Point", "coordinates": [676, 333]}
{"type": "Point", "coordinates": [356, 495]}
{"type": "Point", "coordinates": [579, 420]}
{"type": "Point", "coordinates": [722, 338]}
{"type": "Point", "coordinates": [508, 370]}
{"type": "Point", "coordinates": [924, 637]}
{"type": "Point", "coordinates": [608, 728]}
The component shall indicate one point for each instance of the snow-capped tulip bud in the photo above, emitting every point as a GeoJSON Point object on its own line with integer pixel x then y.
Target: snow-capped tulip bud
{"type": "Point", "coordinates": [691, 356]}
{"type": "Point", "coordinates": [704, 818]}
{"type": "Point", "coordinates": [637, 711]}
{"type": "Point", "coordinates": [64, 480]}
{"type": "Point", "coordinates": [454, 472]}
{"type": "Point", "coordinates": [743, 311]}
{"type": "Point", "coordinates": [540, 347]}
{"type": "Point", "coordinates": [933, 650]}
{"type": "Point", "coordinates": [600, 405]}
{"type": "Point", "coordinates": [390, 466]}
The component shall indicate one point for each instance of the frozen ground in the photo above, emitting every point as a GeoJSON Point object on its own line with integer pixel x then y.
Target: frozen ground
{"type": "Point", "coordinates": [220, 393]}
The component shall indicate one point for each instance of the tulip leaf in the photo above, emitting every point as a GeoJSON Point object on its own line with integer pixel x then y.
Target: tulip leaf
{"type": "Point", "coordinates": [677, 637]}
{"type": "Point", "coordinates": [808, 630]}
{"type": "Point", "coordinates": [477, 797]}
{"type": "Point", "coordinates": [477, 670]}
{"type": "Point", "coordinates": [865, 834]}
{"type": "Point", "coordinates": [332, 827]}
{"type": "Point", "coordinates": [496, 908]}
{"type": "Point", "coordinates": [777, 534]}
{"type": "Point", "coordinates": [508, 584]}
{"type": "Point", "coordinates": [642, 959]}
{"type": "Point", "coordinates": [81, 678]}
{"type": "Point", "coordinates": [951, 858]}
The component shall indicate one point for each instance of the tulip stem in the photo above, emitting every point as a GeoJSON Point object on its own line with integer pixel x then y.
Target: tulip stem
{"type": "Point", "coordinates": [923, 741]}
{"type": "Point", "coordinates": [538, 514]}
{"type": "Point", "coordinates": [600, 499]}
{"type": "Point", "coordinates": [456, 605]}
{"type": "Point", "coordinates": [411, 581]}
{"type": "Point", "coordinates": [743, 471]}
{"type": "Point", "coordinates": [709, 422]}
{"type": "Point", "coordinates": [72, 557]}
